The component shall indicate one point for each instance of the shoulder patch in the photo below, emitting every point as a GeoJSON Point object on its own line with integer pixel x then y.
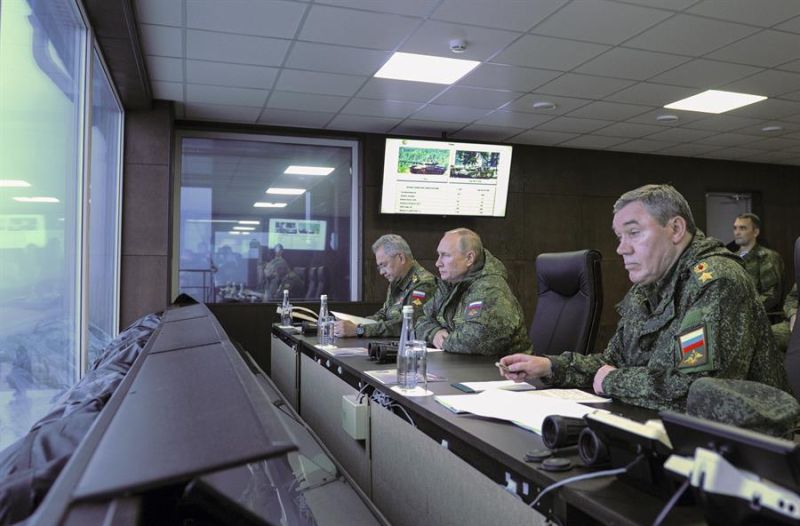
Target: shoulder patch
{"type": "Point", "coordinates": [703, 272]}
{"type": "Point", "coordinates": [692, 348]}
{"type": "Point", "coordinates": [473, 310]}
{"type": "Point", "coordinates": [417, 297]}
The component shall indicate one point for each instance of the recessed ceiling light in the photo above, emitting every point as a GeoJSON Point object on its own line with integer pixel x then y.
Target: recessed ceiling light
{"type": "Point", "coordinates": [234, 233]}
{"type": "Point", "coordinates": [771, 128]}
{"type": "Point", "coordinates": [36, 199]}
{"type": "Point", "coordinates": [715, 101]}
{"type": "Point", "coordinates": [425, 68]}
{"type": "Point", "coordinates": [262, 204]}
{"type": "Point", "coordinates": [14, 183]}
{"type": "Point", "coordinates": [667, 117]}
{"type": "Point", "coordinates": [249, 222]}
{"type": "Point", "coordinates": [286, 191]}
{"type": "Point", "coordinates": [544, 105]}
{"type": "Point", "coordinates": [308, 170]}
{"type": "Point", "coordinates": [244, 228]}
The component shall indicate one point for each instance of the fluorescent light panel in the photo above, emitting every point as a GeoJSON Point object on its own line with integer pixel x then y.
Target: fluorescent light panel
{"type": "Point", "coordinates": [244, 228]}
{"type": "Point", "coordinates": [249, 222]}
{"type": "Point", "coordinates": [36, 199]}
{"type": "Point", "coordinates": [286, 191]}
{"type": "Point", "coordinates": [308, 170]}
{"type": "Point", "coordinates": [262, 204]}
{"type": "Point", "coordinates": [425, 68]}
{"type": "Point", "coordinates": [14, 183]}
{"type": "Point", "coordinates": [715, 101]}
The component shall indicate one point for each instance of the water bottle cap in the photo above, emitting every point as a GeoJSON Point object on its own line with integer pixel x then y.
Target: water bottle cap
{"type": "Point", "coordinates": [408, 308]}
{"type": "Point", "coordinates": [323, 297]}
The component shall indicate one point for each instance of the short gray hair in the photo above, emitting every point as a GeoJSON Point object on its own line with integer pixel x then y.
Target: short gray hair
{"type": "Point", "coordinates": [662, 201]}
{"type": "Point", "coordinates": [468, 240]}
{"type": "Point", "coordinates": [392, 244]}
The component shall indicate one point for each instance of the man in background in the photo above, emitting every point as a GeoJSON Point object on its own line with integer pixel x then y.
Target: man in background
{"type": "Point", "coordinates": [409, 284]}
{"type": "Point", "coordinates": [473, 310]}
{"type": "Point", "coordinates": [783, 330]}
{"type": "Point", "coordinates": [764, 266]}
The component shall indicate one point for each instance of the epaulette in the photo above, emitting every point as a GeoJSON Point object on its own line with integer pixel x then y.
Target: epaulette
{"type": "Point", "coordinates": [703, 272]}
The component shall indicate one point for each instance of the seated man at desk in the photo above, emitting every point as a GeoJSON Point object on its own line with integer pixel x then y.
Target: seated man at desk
{"type": "Point", "coordinates": [692, 312]}
{"type": "Point", "coordinates": [473, 310]}
{"type": "Point", "coordinates": [409, 284]}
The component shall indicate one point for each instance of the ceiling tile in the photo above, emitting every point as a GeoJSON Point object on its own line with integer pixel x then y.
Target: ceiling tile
{"type": "Point", "coordinates": [600, 21]}
{"type": "Point", "coordinates": [721, 123]}
{"type": "Point", "coordinates": [165, 68]}
{"type": "Point", "coordinates": [426, 128]}
{"type": "Point", "coordinates": [400, 90]}
{"type": "Point", "coordinates": [610, 111]}
{"type": "Point", "coordinates": [515, 16]}
{"type": "Point", "coordinates": [628, 129]}
{"type": "Point", "coordinates": [767, 48]}
{"type": "Point", "coordinates": [514, 119]}
{"type": "Point", "coordinates": [630, 64]}
{"type": "Point", "coordinates": [441, 112]}
{"type": "Point", "coordinates": [477, 132]}
{"type": "Point", "coordinates": [768, 109]}
{"type": "Point", "coordinates": [770, 83]}
{"type": "Point", "coordinates": [792, 25]}
{"type": "Point", "coordinates": [476, 97]}
{"type": "Point", "coordinates": [287, 100]}
{"type": "Point", "coordinates": [573, 125]}
{"type": "Point", "coordinates": [307, 119]}
{"type": "Point", "coordinates": [652, 94]}
{"type": "Point", "coordinates": [763, 13]}
{"type": "Point", "coordinates": [237, 49]}
{"type": "Point", "coordinates": [641, 146]}
{"type": "Point", "coordinates": [732, 153]}
{"type": "Point", "coordinates": [322, 83]}
{"type": "Point", "coordinates": [163, 12]}
{"type": "Point", "coordinates": [268, 18]}
{"type": "Point", "coordinates": [225, 95]}
{"type": "Point", "coordinates": [216, 112]}
{"type": "Point", "coordinates": [675, 5]}
{"type": "Point", "coordinates": [563, 104]}
{"type": "Point", "coordinates": [583, 86]}
{"type": "Point", "coordinates": [381, 108]}
{"type": "Point", "coordinates": [707, 74]}
{"type": "Point", "coordinates": [727, 139]}
{"type": "Point", "coordinates": [688, 149]}
{"type": "Point", "coordinates": [336, 59]}
{"type": "Point", "coordinates": [406, 7]}
{"type": "Point", "coordinates": [362, 124]}
{"type": "Point", "coordinates": [684, 117]}
{"type": "Point", "coordinates": [432, 38]}
{"type": "Point", "coordinates": [167, 90]}
{"type": "Point", "coordinates": [162, 41]}
{"type": "Point", "coordinates": [689, 35]}
{"type": "Point", "coordinates": [234, 75]}
{"type": "Point", "coordinates": [507, 77]}
{"type": "Point", "coordinates": [774, 143]}
{"type": "Point", "coordinates": [349, 27]}
{"type": "Point", "coordinates": [545, 138]}
{"type": "Point", "coordinates": [595, 142]}
{"type": "Point", "coordinates": [680, 135]}
{"type": "Point", "coordinates": [550, 53]}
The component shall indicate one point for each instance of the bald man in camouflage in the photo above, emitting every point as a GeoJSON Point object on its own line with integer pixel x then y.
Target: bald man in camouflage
{"type": "Point", "coordinates": [692, 312]}
{"type": "Point", "coordinates": [473, 310]}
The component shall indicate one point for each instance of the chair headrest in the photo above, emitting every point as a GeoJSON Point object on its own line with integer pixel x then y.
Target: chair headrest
{"type": "Point", "coordinates": [566, 273]}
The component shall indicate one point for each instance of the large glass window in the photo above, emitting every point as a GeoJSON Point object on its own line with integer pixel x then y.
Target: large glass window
{"type": "Point", "coordinates": [259, 214]}
{"type": "Point", "coordinates": [104, 209]}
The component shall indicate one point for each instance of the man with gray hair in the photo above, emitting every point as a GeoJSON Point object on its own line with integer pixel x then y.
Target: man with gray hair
{"type": "Point", "coordinates": [692, 312]}
{"type": "Point", "coordinates": [473, 310]}
{"type": "Point", "coordinates": [409, 284]}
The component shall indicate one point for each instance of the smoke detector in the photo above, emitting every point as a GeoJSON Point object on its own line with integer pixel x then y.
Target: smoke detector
{"type": "Point", "coordinates": [458, 45]}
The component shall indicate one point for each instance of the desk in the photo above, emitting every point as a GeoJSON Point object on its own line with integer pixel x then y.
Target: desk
{"type": "Point", "coordinates": [447, 468]}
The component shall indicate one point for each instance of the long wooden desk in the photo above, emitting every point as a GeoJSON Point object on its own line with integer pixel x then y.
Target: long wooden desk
{"type": "Point", "coordinates": [446, 468]}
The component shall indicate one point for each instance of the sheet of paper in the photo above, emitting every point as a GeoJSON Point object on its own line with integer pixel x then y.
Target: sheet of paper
{"type": "Point", "coordinates": [343, 351]}
{"type": "Point", "coordinates": [522, 409]}
{"type": "Point", "coordinates": [574, 395]}
{"type": "Point", "coordinates": [389, 376]}
{"type": "Point", "coordinates": [509, 385]}
{"type": "Point", "coordinates": [358, 320]}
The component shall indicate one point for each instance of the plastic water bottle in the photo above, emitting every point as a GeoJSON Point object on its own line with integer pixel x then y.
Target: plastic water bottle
{"type": "Point", "coordinates": [406, 361]}
{"type": "Point", "coordinates": [286, 310]}
{"type": "Point", "coordinates": [322, 319]}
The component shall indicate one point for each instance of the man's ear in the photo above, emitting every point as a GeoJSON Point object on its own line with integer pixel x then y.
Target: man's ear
{"type": "Point", "coordinates": [756, 231]}
{"type": "Point", "coordinates": [470, 257]}
{"type": "Point", "coordinates": [677, 227]}
{"type": "Point", "coordinates": [402, 257]}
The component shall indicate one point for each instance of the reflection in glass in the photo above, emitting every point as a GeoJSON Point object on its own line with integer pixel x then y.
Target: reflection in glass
{"type": "Point", "coordinates": [41, 63]}
{"type": "Point", "coordinates": [260, 214]}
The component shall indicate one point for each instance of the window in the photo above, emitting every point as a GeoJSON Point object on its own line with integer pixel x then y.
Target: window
{"type": "Point", "coordinates": [259, 214]}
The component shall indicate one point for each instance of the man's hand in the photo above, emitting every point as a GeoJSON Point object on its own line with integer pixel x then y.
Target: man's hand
{"type": "Point", "coordinates": [523, 366]}
{"type": "Point", "coordinates": [599, 376]}
{"type": "Point", "coordinates": [439, 338]}
{"type": "Point", "coordinates": [344, 328]}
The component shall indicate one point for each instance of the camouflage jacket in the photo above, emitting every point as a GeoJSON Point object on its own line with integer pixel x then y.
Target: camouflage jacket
{"type": "Point", "coordinates": [702, 319]}
{"type": "Point", "coordinates": [290, 281]}
{"type": "Point", "coordinates": [275, 268]}
{"type": "Point", "coordinates": [765, 268]}
{"type": "Point", "coordinates": [790, 304]}
{"type": "Point", "coordinates": [415, 288]}
{"type": "Point", "coordinates": [480, 313]}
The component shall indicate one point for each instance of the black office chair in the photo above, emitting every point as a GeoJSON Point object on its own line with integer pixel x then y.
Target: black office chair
{"type": "Point", "coordinates": [792, 359]}
{"type": "Point", "coordinates": [569, 303]}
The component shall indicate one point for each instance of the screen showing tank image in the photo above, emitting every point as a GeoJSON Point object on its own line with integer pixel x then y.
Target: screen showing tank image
{"type": "Point", "coordinates": [445, 178]}
{"type": "Point", "coordinates": [297, 234]}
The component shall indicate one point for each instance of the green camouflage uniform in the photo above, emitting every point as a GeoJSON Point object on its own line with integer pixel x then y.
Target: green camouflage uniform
{"type": "Point", "coordinates": [289, 281]}
{"type": "Point", "coordinates": [274, 270]}
{"type": "Point", "coordinates": [415, 288]}
{"type": "Point", "coordinates": [701, 319]}
{"type": "Point", "coordinates": [781, 330]}
{"type": "Point", "coordinates": [765, 268]}
{"type": "Point", "coordinates": [480, 313]}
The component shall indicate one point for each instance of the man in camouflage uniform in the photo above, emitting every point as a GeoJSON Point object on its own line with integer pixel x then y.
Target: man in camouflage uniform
{"type": "Point", "coordinates": [783, 330]}
{"type": "Point", "coordinates": [285, 279]}
{"type": "Point", "coordinates": [692, 312]}
{"type": "Point", "coordinates": [473, 310]}
{"type": "Point", "coordinates": [764, 266]}
{"type": "Point", "coordinates": [409, 284]}
{"type": "Point", "coordinates": [274, 271]}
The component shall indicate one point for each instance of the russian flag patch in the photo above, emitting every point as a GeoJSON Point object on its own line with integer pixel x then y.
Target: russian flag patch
{"type": "Point", "coordinates": [693, 348]}
{"type": "Point", "coordinates": [417, 297]}
{"type": "Point", "coordinates": [473, 309]}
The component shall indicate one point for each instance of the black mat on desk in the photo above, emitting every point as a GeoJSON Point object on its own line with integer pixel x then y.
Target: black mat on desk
{"type": "Point", "coordinates": [186, 333]}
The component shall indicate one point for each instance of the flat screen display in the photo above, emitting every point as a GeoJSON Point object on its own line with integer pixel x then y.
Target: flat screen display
{"type": "Point", "coordinates": [297, 234]}
{"type": "Point", "coordinates": [445, 178]}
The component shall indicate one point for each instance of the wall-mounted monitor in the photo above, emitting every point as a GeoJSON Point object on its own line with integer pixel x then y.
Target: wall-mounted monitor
{"type": "Point", "coordinates": [445, 178]}
{"type": "Point", "coordinates": [298, 234]}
